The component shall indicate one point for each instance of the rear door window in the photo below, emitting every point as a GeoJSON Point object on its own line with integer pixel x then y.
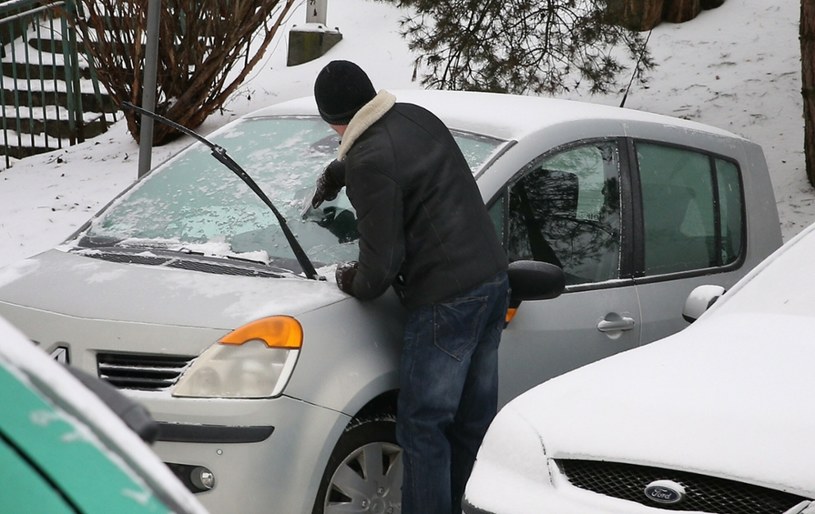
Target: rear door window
{"type": "Point", "coordinates": [691, 209]}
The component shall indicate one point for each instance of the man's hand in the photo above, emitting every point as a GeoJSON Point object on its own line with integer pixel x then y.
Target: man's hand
{"type": "Point", "coordinates": [329, 183]}
{"type": "Point", "coordinates": [345, 275]}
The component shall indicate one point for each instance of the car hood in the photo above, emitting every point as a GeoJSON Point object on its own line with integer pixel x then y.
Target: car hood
{"type": "Point", "coordinates": [726, 397]}
{"type": "Point", "coordinates": [86, 287]}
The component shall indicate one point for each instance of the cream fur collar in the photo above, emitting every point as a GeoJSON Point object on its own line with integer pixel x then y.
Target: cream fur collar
{"type": "Point", "coordinates": [369, 114]}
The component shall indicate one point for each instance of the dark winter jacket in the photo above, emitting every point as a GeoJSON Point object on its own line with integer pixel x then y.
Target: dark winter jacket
{"type": "Point", "coordinates": [423, 226]}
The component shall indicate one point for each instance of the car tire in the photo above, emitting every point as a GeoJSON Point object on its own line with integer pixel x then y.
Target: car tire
{"type": "Point", "coordinates": [364, 471]}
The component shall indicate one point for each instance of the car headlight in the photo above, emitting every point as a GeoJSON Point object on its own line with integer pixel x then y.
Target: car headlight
{"type": "Point", "coordinates": [511, 458]}
{"type": "Point", "coordinates": [253, 361]}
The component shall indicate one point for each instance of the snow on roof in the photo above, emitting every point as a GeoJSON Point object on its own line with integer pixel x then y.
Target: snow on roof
{"type": "Point", "coordinates": [504, 116]}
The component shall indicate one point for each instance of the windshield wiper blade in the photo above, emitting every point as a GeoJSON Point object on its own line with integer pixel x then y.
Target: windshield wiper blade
{"type": "Point", "coordinates": [221, 156]}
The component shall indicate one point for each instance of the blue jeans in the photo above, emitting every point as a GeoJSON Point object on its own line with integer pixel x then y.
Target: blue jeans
{"type": "Point", "coordinates": [448, 393]}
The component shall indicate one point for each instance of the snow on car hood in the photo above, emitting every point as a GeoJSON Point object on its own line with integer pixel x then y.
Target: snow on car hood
{"type": "Point", "coordinates": [728, 397]}
{"type": "Point", "coordinates": [86, 287]}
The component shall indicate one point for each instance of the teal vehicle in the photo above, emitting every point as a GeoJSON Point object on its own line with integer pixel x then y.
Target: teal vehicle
{"type": "Point", "coordinates": [62, 450]}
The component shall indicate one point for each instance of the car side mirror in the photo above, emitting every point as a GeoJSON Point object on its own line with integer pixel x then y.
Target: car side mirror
{"type": "Point", "coordinates": [535, 280]}
{"type": "Point", "coordinates": [699, 300]}
{"type": "Point", "coordinates": [133, 414]}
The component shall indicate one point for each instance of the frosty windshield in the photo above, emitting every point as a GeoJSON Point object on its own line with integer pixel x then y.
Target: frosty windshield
{"type": "Point", "coordinates": [193, 203]}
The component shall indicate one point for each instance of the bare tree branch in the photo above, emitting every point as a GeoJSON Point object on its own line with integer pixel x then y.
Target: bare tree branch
{"type": "Point", "coordinates": [201, 44]}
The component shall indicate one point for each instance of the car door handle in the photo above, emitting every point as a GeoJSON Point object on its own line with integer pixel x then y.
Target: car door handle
{"type": "Point", "coordinates": [623, 323]}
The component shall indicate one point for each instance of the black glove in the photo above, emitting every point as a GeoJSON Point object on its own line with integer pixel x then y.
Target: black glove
{"type": "Point", "coordinates": [329, 183]}
{"type": "Point", "coordinates": [345, 275]}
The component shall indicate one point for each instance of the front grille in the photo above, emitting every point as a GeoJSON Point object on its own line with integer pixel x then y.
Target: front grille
{"type": "Point", "coordinates": [140, 371]}
{"type": "Point", "coordinates": [704, 493]}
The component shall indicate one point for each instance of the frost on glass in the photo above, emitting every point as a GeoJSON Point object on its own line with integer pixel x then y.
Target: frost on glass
{"type": "Point", "coordinates": [195, 203]}
{"type": "Point", "coordinates": [477, 149]}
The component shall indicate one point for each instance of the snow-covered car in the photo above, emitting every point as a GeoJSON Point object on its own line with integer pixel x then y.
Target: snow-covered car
{"type": "Point", "coordinates": [712, 419]}
{"type": "Point", "coordinates": [62, 449]}
{"type": "Point", "coordinates": [275, 389]}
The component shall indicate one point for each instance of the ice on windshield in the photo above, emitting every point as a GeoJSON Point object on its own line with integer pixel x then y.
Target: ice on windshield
{"type": "Point", "coordinates": [195, 203]}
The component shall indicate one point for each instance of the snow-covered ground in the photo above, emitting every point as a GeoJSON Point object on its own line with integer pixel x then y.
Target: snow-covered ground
{"type": "Point", "coordinates": [736, 67]}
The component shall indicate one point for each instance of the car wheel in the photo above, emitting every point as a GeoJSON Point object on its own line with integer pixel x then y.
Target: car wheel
{"type": "Point", "coordinates": [364, 472]}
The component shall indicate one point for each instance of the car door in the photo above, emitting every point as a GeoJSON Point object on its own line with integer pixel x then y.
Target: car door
{"type": "Point", "coordinates": [568, 207]}
{"type": "Point", "coordinates": [692, 229]}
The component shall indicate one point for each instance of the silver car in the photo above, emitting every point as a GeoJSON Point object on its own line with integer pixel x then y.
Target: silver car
{"type": "Point", "coordinates": [276, 390]}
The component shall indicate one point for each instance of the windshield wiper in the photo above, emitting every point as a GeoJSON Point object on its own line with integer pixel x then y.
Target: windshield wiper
{"type": "Point", "coordinates": [221, 156]}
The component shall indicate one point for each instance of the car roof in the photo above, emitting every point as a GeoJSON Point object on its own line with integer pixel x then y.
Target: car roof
{"type": "Point", "coordinates": [505, 116]}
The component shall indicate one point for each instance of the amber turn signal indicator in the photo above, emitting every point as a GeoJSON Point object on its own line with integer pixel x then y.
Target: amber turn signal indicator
{"type": "Point", "coordinates": [275, 332]}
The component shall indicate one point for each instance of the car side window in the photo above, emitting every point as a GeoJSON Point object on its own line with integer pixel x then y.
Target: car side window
{"type": "Point", "coordinates": [565, 209]}
{"type": "Point", "coordinates": [691, 209]}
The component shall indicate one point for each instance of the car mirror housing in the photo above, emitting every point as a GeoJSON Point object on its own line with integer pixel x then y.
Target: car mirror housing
{"type": "Point", "coordinates": [535, 280]}
{"type": "Point", "coordinates": [699, 300]}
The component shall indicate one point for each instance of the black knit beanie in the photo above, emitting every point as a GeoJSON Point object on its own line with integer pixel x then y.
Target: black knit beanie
{"type": "Point", "coordinates": [341, 89]}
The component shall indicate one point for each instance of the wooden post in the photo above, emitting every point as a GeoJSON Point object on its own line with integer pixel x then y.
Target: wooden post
{"type": "Point", "coordinates": [807, 41]}
{"type": "Point", "coordinates": [680, 11]}
{"type": "Point", "coordinates": [638, 15]}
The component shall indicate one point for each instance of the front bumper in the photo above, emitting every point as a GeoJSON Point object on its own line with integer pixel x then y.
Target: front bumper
{"type": "Point", "coordinates": [264, 455]}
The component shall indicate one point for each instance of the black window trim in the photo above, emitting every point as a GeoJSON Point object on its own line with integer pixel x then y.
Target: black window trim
{"type": "Point", "coordinates": [632, 254]}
